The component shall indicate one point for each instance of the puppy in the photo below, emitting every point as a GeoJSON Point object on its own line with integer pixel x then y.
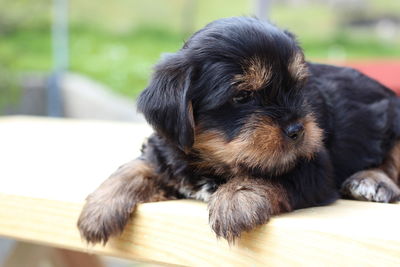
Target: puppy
{"type": "Point", "coordinates": [244, 123]}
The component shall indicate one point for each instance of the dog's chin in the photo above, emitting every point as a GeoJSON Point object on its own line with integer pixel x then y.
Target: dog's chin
{"type": "Point", "coordinates": [287, 164]}
{"type": "Point", "coordinates": [280, 163]}
{"type": "Point", "coordinates": [261, 147]}
{"type": "Point", "coordinates": [253, 156]}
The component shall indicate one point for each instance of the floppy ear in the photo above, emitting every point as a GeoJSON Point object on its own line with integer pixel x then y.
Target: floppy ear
{"type": "Point", "coordinates": [165, 102]}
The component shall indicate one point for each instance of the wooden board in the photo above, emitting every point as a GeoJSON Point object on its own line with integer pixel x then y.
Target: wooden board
{"type": "Point", "coordinates": [63, 159]}
{"type": "Point", "coordinates": [348, 233]}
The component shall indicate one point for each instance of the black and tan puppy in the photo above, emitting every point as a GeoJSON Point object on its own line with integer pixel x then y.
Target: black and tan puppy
{"type": "Point", "coordinates": [244, 123]}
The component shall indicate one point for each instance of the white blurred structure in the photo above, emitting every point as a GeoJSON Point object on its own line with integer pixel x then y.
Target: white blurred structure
{"type": "Point", "coordinates": [86, 99]}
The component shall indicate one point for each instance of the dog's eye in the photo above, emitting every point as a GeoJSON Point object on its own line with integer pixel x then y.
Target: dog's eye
{"type": "Point", "coordinates": [243, 97]}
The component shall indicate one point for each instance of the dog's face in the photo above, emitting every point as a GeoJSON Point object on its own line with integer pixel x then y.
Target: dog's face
{"type": "Point", "coordinates": [233, 96]}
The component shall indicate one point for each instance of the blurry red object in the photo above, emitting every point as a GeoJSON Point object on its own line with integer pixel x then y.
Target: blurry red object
{"type": "Point", "coordinates": [386, 72]}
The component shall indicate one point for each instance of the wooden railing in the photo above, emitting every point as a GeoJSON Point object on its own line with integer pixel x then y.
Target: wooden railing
{"type": "Point", "coordinates": [48, 166]}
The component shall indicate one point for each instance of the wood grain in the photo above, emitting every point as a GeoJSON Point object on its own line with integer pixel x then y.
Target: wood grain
{"type": "Point", "coordinates": [347, 233]}
{"type": "Point", "coordinates": [48, 167]}
{"type": "Point", "coordinates": [63, 159]}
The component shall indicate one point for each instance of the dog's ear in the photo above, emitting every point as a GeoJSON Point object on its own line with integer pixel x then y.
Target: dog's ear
{"type": "Point", "coordinates": [165, 103]}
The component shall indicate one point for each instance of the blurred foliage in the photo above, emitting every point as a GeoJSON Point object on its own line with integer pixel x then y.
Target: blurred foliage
{"type": "Point", "coordinates": [10, 91]}
{"type": "Point", "coordinates": [117, 42]}
{"type": "Point", "coordinates": [23, 14]}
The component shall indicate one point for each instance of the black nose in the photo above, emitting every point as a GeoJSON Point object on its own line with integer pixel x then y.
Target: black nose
{"type": "Point", "coordinates": [294, 131]}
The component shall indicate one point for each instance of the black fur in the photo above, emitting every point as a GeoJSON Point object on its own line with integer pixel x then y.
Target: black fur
{"type": "Point", "coordinates": [358, 115]}
{"type": "Point", "coordinates": [194, 90]}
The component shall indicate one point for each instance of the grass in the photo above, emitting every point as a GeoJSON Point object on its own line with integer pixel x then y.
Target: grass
{"type": "Point", "coordinates": [123, 61]}
{"type": "Point", "coordinates": [117, 44]}
{"type": "Point", "coordinates": [10, 92]}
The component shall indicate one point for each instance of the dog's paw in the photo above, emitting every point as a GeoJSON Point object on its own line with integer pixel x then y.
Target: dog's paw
{"type": "Point", "coordinates": [235, 211]}
{"type": "Point", "coordinates": [371, 185]}
{"type": "Point", "coordinates": [108, 209]}
{"type": "Point", "coordinates": [101, 219]}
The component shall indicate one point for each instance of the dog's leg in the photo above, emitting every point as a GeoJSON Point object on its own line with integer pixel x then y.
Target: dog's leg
{"type": "Point", "coordinates": [241, 204]}
{"type": "Point", "coordinates": [108, 209]}
{"type": "Point", "coordinates": [379, 184]}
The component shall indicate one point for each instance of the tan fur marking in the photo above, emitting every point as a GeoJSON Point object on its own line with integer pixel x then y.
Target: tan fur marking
{"type": "Point", "coordinates": [190, 114]}
{"type": "Point", "coordinates": [391, 165]}
{"type": "Point", "coordinates": [256, 74]}
{"type": "Point", "coordinates": [108, 209]}
{"type": "Point", "coordinates": [313, 137]}
{"type": "Point", "coordinates": [219, 168]}
{"type": "Point", "coordinates": [260, 144]}
{"type": "Point", "coordinates": [247, 148]}
{"type": "Point", "coordinates": [298, 68]}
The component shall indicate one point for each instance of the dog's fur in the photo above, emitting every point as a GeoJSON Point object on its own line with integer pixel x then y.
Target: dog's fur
{"type": "Point", "coordinates": [244, 123]}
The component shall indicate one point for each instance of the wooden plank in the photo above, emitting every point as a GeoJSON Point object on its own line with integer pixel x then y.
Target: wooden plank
{"type": "Point", "coordinates": [48, 166]}
{"type": "Point", "coordinates": [176, 232]}
{"type": "Point", "coordinates": [63, 159]}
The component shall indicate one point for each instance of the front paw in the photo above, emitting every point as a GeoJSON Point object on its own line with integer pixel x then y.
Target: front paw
{"type": "Point", "coordinates": [371, 185]}
{"type": "Point", "coordinates": [108, 209]}
{"type": "Point", "coordinates": [101, 219]}
{"type": "Point", "coordinates": [237, 210]}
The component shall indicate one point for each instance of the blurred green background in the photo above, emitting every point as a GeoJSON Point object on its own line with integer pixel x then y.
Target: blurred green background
{"type": "Point", "coordinates": [117, 42]}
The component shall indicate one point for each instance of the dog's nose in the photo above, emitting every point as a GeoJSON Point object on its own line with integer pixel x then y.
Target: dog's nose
{"type": "Point", "coordinates": [294, 131]}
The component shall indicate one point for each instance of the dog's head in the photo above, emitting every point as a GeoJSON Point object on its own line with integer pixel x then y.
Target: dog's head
{"type": "Point", "coordinates": [233, 95]}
